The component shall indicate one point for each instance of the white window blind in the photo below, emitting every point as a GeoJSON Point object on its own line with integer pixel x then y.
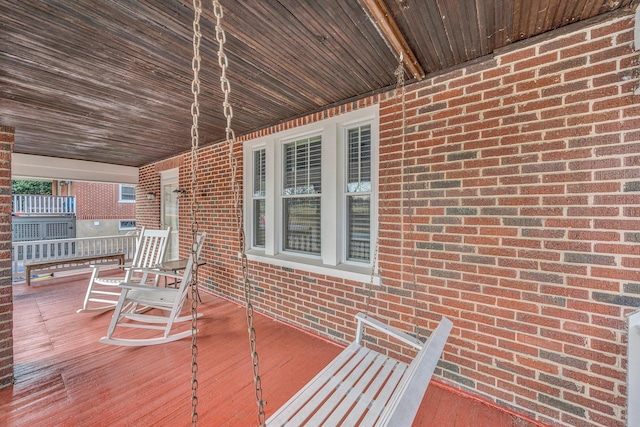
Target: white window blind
{"type": "Point", "coordinates": [301, 191]}
{"type": "Point", "coordinates": [258, 195]}
{"type": "Point", "coordinates": [358, 194]}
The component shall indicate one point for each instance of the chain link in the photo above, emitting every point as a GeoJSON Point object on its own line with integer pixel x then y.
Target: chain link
{"type": "Point", "coordinates": [238, 210]}
{"type": "Point", "coordinates": [195, 113]}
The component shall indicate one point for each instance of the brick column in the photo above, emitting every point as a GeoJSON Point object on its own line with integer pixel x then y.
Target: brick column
{"type": "Point", "coordinates": [6, 297]}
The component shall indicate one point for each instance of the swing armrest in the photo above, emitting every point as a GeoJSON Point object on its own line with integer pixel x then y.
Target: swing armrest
{"type": "Point", "coordinates": [363, 319]}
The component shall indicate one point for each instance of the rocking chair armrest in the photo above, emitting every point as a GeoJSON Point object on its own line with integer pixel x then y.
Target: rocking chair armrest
{"type": "Point", "coordinates": [158, 272]}
{"type": "Point", "coordinates": [141, 270]}
{"type": "Point", "coordinates": [109, 266]}
{"type": "Point", "coordinates": [97, 269]}
{"type": "Point", "coordinates": [389, 330]}
{"type": "Point", "coordinates": [131, 286]}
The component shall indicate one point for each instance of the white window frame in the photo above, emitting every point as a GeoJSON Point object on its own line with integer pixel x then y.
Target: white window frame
{"type": "Point", "coordinates": [120, 199]}
{"type": "Point", "coordinates": [332, 259]}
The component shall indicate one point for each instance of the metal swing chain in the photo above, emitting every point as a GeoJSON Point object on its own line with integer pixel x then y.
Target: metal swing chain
{"type": "Point", "coordinates": [239, 219]}
{"type": "Point", "coordinates": [399, 73]}
{"type": "Point", "coordinates": [410, 234]}
{"type": "Point", "coordinates": [195, 113]}
{"type": "Point", "coordinates": [400, 87]}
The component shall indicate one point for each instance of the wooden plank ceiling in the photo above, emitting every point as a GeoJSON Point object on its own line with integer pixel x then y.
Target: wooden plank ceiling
{"type": "Point", "coordinates": [110, 80]}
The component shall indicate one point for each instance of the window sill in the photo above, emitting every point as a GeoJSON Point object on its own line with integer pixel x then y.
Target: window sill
{"type": "Point", "coordinates": [343, 271]}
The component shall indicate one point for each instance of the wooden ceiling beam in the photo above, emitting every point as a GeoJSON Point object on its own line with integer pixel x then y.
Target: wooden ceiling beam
{"type": "Point", "coordinates": [387, 26]}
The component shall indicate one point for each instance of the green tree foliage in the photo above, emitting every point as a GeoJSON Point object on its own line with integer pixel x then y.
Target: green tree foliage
{"type": "Point", "coordinates": [31, 187]}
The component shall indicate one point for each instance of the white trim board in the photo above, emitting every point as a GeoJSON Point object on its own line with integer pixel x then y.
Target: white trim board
{"type": "Point", "coordinates": [27, 166]}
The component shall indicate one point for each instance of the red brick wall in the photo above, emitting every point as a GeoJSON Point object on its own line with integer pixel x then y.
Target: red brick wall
{"type": "Point", "coordinates": [524, 176]}
{"type": "Point", "coordinates": [522, 192]}
{"type": "Point", "coordinates": [148, 210]}
{"type": "Point", "coordinates": [96, 200]}
{"type": "Point", "coordinates": [6, 296]}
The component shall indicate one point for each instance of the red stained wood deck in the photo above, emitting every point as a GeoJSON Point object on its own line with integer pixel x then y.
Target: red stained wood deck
{"type": "Point", "coordinates": [65, 377]}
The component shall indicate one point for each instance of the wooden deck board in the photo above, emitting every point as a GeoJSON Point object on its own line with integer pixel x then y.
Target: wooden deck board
{"type": "Point", "coordinates": [65, 377]}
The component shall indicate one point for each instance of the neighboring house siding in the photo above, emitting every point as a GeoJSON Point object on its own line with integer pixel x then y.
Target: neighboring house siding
{"type": "Point", "coordinates": [524, 174]}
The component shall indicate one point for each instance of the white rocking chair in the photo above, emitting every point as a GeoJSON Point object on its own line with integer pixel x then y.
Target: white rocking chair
{"type": "Point", "coordinates": [363, 387]}
{"type": "Point", "coordinates": [103, 291]}
{"type": "Point", "coordinates": [168, 301]}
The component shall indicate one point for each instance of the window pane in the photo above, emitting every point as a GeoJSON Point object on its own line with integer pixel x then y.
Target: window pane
{"type": "Point", "coordinates": [127, 224]}
{"type": "Point", "coordinates": [302, 224]}
{"type": "Point", "coordinates": [301, 188]}
{"type": "Point", "coordinates": [259, 173]}
{"type": "Point", "coordinates": [259, 193]}
{"type": "Point", "coordinates": [259, 223]}
{"type": "Point", "coordinates": [359, 228]}
{"type": "Point", "coordinates": [302, 167]}
{"type": "Point", "coordinates": [359, 159]}
{"type": "Point", "coordinates": [127, 192]}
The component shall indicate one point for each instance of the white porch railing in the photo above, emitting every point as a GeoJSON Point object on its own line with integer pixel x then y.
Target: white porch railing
{"type": "Point", "coordinates": [32, 204]}
{"type": "Point", "coordinates": [37, 251]}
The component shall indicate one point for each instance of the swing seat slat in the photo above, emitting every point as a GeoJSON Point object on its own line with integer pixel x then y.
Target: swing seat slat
{"type": "Point", "coordinates": [364, 387]}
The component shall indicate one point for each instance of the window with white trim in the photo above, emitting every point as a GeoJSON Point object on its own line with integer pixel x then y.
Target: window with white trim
{"type": "Point", "coordinates": [311, 194]}
{"type": "Point", "coordinates": [127, 193]}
